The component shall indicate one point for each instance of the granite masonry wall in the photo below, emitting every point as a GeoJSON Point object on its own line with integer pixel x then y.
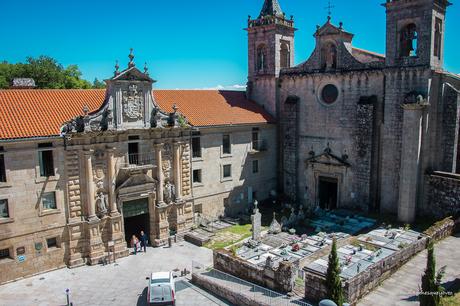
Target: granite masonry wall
{"type": "Point", "coordinates": [280, 279]}
{"type": "Point", "coordinates": [442, 196]}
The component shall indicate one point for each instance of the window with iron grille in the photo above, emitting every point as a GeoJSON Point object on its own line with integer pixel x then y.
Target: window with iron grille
{"type": "Point", "coordinates": [49, 201]}
{"type": "Point", "coordinates": [51, 243]}
{"type": "Point", "coordinates": [227, 171]}
{"type": "Point", "coordinates": [196, 147]}
{"type": "Point", "coordinates": [4, 212]}
{"type": "Point", "coordinates": [2, 169]}
{"type": "Point", "coordinates": [46, 163]}
{"type": "Point", "coordinates": [226, 145]}
{"type": "Point", "coordinates": [4, 254]}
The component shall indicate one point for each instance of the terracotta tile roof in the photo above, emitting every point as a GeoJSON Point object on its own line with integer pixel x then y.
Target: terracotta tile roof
{"type": "Point", "coordinates": [213, 107]}
{"type": "Point", "coordinates": [28, 113]}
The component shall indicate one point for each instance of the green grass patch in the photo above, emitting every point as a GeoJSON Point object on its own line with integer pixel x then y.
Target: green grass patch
{"type": "Point", "coordinates": [453, 300]}
{"type": "Point", "coordinates": [229, 236]}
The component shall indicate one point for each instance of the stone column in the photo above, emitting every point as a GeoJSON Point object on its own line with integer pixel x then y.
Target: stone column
{"type": "Point", "coordinates": [160, 176]}
{"type": "Point", "coordinates": [111, 177]}
{"type": "Point", "coordinates": [410, 161]}
{"type": "Point", "coordinates": [177, 171]}
{"type": "Point", "coordinates": [90, 187]}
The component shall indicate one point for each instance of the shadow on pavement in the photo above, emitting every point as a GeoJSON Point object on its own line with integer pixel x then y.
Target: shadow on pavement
{"type": "Point", "coordinates": [142, 299]}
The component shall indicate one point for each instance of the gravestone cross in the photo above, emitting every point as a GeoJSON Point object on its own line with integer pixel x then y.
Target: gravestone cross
{"type": "Point", "coordinates": [256, 223]}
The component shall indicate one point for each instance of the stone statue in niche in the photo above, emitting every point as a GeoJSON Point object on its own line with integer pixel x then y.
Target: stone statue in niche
{"type": "Point", "coordinates": [133, 102]}
{"type": "Point", "coordinates": [101, 204]}
{"type": "Point", "coordinates": [169, 192]}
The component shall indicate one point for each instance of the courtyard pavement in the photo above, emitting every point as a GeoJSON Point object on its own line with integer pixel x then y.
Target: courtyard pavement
{"type": "Point", "coordinates": [122, 283]}
{"type": "Point", "coordinates": [401, 288]}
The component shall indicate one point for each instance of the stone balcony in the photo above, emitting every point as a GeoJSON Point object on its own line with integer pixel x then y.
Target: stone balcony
{"type": "Point", "coordinates": [139, 161]}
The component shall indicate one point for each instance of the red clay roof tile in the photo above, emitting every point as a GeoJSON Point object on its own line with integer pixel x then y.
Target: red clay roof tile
{"type": "Point", "coordinates": [40, 113]}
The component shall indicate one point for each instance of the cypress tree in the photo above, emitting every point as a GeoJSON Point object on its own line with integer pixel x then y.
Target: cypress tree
{"type": "Point", "coordinates": [430, 281]}
{"type": "Point", "coordinates": [333, 281]}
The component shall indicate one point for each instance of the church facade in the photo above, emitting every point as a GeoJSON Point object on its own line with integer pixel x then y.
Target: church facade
{"type": "Point", "coordinates": [359, 129]}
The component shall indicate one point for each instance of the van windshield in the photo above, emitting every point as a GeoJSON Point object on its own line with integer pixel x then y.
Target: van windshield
{"type": "Point", "coordinates": [159, 281]}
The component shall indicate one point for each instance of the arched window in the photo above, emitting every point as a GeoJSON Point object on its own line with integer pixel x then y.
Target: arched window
{"type": "Point", "coordinates": [438, 38]}
{"type": "Point", "coordinates": [285, 56]}
{"type": "Point", "coordinates": [261, 58]}
{"type": "Point", "coordinates": [408, 38]}
{"type": "Point", "coordinates": [329, 56]}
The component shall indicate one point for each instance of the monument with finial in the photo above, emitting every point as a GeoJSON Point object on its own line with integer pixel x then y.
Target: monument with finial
{"type": "Point", "coordinates": [131, 58]}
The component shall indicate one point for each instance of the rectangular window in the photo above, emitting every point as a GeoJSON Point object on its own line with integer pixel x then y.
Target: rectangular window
{"type": "Point", "coordinates": [49, 201]}
{"type": "Point", "coordinates": [2, 169]}
{"type": "Point", "coordinates": [133, 153]}
{"type": "Point", "coordinates": [197, 176]}
{"type": "Point", "coordinates": [255, 166]}
{"type": "Point", "coordinates": [226, 146]}
{"type": "Point", "coordinates": [4, 254]}
{"type": "Point", "coordinates": [4, 212]}
{"type": "Point", "coordinates": [46, 163]}
{"type": "Point", "coordinates": [255, 140]}
{"type": "Point", "coordinates": [51, 243]}
{"type": "Point", "coordinates": [227, 171]}
{"type": "Point", "coordinates": [196, 147]}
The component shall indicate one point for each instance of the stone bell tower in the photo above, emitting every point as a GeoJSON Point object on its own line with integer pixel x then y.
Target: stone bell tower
{"type": "Point", "coordinates": [270, 49]}
{"type": "Point", "coordinates": [415, 32]}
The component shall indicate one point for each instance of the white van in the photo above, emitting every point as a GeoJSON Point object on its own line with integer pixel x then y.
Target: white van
{"type": "Point", "coordinates": [161, 289]}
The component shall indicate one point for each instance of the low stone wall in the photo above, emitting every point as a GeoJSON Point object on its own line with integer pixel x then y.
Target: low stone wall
{"type": "Point", "coordinates": [280, 279]}
{"type": "Point", "coordinates": [442, 195]}
{"type": "Point", "coordinates": [234, 297]}
{"type": "Point", "coordinates": [441, 229]}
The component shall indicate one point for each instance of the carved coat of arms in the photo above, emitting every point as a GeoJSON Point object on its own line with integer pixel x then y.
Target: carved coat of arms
{"type": "Point", "coordinates": [133, 102]}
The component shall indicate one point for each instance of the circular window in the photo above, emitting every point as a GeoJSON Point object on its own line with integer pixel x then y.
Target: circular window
{"type": "Point", "coordinates": [329, 94]}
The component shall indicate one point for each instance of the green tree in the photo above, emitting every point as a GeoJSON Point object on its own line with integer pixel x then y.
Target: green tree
{"type": "Point", "coordinates": [98, 84]}
{"type": "Point", "coordinates": [431, 281]}
{"type": "Point", "coordinates": [46, 72]}
{"type": "Point", "coordinates": [333, 281]}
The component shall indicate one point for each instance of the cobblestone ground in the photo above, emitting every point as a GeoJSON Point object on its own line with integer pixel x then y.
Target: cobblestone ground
{"type": "Point", "coordinates": [122, 283]}
{"type": "Point", "coordinates": [400, 289]}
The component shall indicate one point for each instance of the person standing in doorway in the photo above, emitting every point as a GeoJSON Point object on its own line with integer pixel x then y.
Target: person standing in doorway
{"type": "Point", "coordinates": [134, 242]}
{"type": "Point", "coordinates": [144, 241]}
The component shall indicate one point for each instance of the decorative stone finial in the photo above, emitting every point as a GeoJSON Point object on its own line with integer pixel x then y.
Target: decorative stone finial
{"type": "Point", "coordinates": [117, 67]}
{"type": "Point", "coordinates": [328, 18]}
{"type": "Point", "coordinates": [340, 25]}
{"type": "Point", "coordinates": [131, 58]}
{"type": "Point", "coordinates": [175, 108]}
{"type": "Point", "coordinates": [85, 110]}
{"type": "Point", "coordinates": [146, 69]}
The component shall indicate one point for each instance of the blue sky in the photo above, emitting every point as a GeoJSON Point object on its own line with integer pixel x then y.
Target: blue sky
{"type": "Point", "coordinates": [187, 44]}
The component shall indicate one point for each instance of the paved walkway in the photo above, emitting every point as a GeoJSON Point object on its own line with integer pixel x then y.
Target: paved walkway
{"type": "Point", "coordinates": [401, 288]}
{"type": "Point", "coordinates": [121, 284]}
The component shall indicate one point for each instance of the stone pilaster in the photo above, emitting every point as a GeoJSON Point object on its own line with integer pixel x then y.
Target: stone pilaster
{"type": "Point", "coordinates": [91, 208]}
{"type": "Point", "coordinates": [95, 246]}
{"type": "Point", "coordinates": [111, 182]}
{"type": "Point", "coordinates": [160, 176]}
{"type": "Point", "coordinates": [410, 161]}
{"type": "Point", "coordinates": [177, 171]}
{"type": "Point", "coordinates": [161, 225]}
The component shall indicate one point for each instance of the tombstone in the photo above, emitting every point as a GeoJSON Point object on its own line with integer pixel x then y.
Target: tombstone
{"type": "Point", "coordinates": [256, 223]}
{"type": "Point", "coordinates": [275, 227]}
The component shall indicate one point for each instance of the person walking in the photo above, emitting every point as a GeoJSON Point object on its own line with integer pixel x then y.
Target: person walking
{"type": "Point", "coordinates": [144, 241]}
{"type": "Point", "coordinates": [134, 243]}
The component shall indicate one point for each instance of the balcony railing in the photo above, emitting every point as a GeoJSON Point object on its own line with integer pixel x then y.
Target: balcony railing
{"type": "Point", "coordinates": [258, 146]}
{"type": "Point", "coordinates": [138, 160]}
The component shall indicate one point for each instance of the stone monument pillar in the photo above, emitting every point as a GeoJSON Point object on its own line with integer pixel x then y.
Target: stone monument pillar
{"type": "Point", "coordinates": [256, 223]}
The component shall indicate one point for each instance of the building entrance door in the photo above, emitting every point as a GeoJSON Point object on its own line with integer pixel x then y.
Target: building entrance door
{"type": "Point", "coordinates": [136, 218]}
{"type": "Point", "coordinates": [327, 192]}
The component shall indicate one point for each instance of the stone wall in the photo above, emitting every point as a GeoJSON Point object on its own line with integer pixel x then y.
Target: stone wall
{"type": "Point", "coordinates": [442, 196]}
{"type": "Point", "coordinates": [280, 279]}
{"type": "Point", "coordinates": [232, 296]}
